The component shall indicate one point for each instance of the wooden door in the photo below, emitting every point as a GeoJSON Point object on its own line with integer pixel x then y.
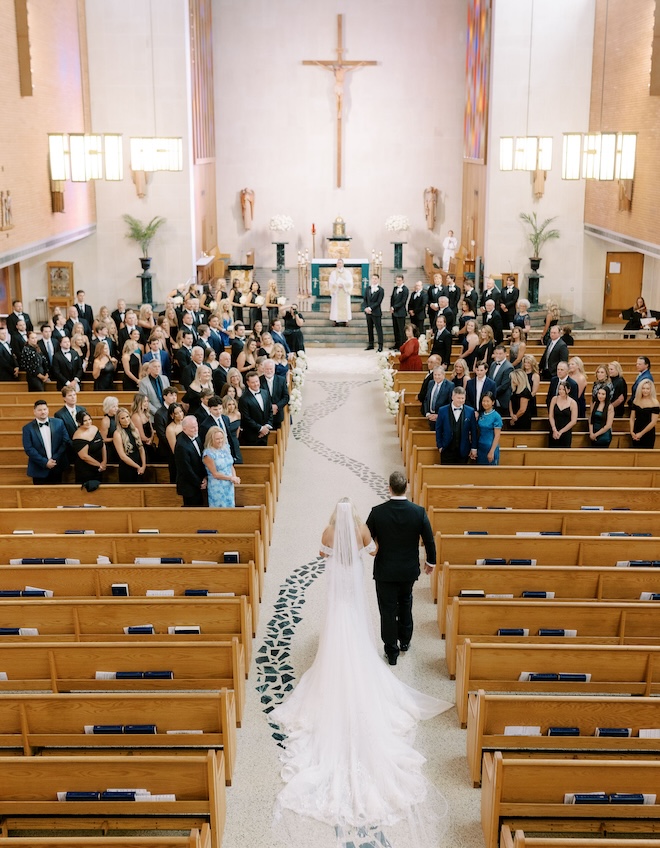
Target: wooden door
{"type": "Point", "coordinates": [623, 284]}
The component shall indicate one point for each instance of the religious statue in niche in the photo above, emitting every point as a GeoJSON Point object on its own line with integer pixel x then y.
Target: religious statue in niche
{"type": "Point", "coordinates": [430, 206]}
{"type": "Point", "coordinates": [6, 214]}
{"type": "Point", "coordinates": [247, 207]}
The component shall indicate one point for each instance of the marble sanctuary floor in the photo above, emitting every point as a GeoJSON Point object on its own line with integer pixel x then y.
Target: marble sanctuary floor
{"type": "Point", "coordinates": [342, 443]}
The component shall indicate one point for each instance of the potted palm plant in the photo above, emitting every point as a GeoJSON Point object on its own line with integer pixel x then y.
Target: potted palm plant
{"type": "Point", "coordinates": [143, 234]}
{"type": "Point", "coordinates": [538, 235]}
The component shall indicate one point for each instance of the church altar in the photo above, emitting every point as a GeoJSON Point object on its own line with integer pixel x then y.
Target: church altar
{"type": "Point", "coordinates": [321, 269]}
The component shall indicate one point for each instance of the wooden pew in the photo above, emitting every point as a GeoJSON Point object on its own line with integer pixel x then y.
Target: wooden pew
{"type": "Point", "coordinates": [490, 713]}
{"type": "Point", "coordinates": [531, 791]}
{"type": "Point", "coordinates": [49, 724]}
{"type": "Point", "coordinates": [95, 581]}
{"type": "Point", "coordinates": [29, 787]}
{"type": "Point", "coordinates": [104, 619]}
{"type": "Point", "coordinates": [519, 839]}
{"type": "Point", "coordinates": [615, 669]}
{"type": "Point", "coordinates": [567, 582]}
{"type": "Point", "coordinates": [55, 667]}
{"type": "Point", "coordinates": [196, 838]}
{"type": "Point", "coordinates": [596, 622]}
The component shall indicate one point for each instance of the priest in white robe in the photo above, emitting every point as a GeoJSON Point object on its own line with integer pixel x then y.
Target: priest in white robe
{"type": "Point", "coordinates": [449, 246]}
{"type": "Point", "coordinates": [340, 284]}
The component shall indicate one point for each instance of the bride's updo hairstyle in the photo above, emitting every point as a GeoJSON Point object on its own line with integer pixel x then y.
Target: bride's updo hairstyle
{"type": "Point", "coordinates": [356, 516]}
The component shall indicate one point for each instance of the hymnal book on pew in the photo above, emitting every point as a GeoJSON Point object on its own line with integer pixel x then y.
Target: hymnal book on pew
{"type": "Point", "coordinates": [114, 795]}
{"type": "Point", "coordinates": [586, 798]}
{"type": "Point", "coordinates": [19, 631]}
{"type": "Point", "coordinates": [615, 732]}
{"type": "Point", "coordinates": [120, 590]}
{"type": "Point", "coordinates": [149, 531]}
{"type": "Point", "coordinates": [134, 675]}
{"type": "Point", "coordinates": [204, 532]}
{"type": "Point", "coordinates": [171, 560]}
{"type": "Point", "coordinates": [78, 796]}
{"type": "Point", "coordinates": [113, 729]}
{"type": "Point", "coordinates": [147, 560]}
{"type": "Point", "coordinates": [540, 676]}
{"type": "Point", "coordinates": [522, 562]}
{"type": "Point", "coordinates": [649, 733]}
{"type": "Point", "coordinates": [513, 631]}
{"type": "Point", "coordinates": [522, 730]}
{"type": "Point", "coordinates": [574, 677]}
{"type": "Point", "coordinates": [140, 728]}
{"type": "Point", "coordinates": [184, 732]}
{"type": "Point", "coordinates": [231, 557]}
{"type": "Point", "coordinates": [532, 593]}
{"type": "Point", "coordinates": [491, 561]}
{"type": "Point", "coordinates": [563, 731]}
{"type": "Point", "coordinates": [10, 593]}
{"type": "Point", "coordinates": [102, 559]}
{"type": "Point", "coordinates": [557, 631]}
{"type": "Point", "coordinates": [500, 507]}
{"type": "Point", "coordinates": [44, 561]}
{"type": "Point", "coordinates": [631, 798]}
{"type": "Point", "coordinates": [650, 596]}
{"type": "Point", "coordinates": [475, 532]}
{"type": "Point", "coordinates": [593, 508]}
{"type": "Point", "coordinates": [35, 591]}
{"type": "Point", "coordinates": [638, 563]}
{"type": "Point", "coordinates": [159, 593]}
{"type": "Point", "coordinates": [184, 628]}
{"type": "Point", "coordinates": [615, 533]}
{"type": "Point", "coordinates": [136, 629]}
{"type": "Point", "coordinates": [472, 593]}
{"type": "Point", "coordinates": [22, 532]}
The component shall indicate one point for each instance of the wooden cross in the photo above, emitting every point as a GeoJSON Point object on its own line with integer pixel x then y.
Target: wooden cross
{"type": "Point", "coordinates": [339, 68]}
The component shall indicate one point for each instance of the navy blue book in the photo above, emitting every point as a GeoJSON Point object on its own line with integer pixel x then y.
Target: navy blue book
{"type": "Point", "coordinates": [207, 531]}
{"type": "Point", "coordinates": [140, 728]}
{"type": "Point", "coordinates": [9, 631]}
{"type": "Point", "coordinates": [551, 631]}
{"type": "Point", "coordinates": [129, 675]}
{"type": "Point", "coordinates": [33, 593]}
{"type": "Point", "coordinates": [563, 731]}
{"type": "Point", "coordinates": [540, 676]}
{"type": "Point", "coordinates": [520, 562]}
{"type": "Point", "coordinates": [83, 796]}
{"type": "Point", "coordinates": [616, 732]}
{"type": "Point", "coordinates": [588, 798]}
{"type": "Point", "coordinates": [494, 561]}
{"type": "Point", "coordinates": [171, 560]}
{"type": "Point", "coordinates": [534, 594]}
{"type": "Point", "coordinates": [148, 628]}
{"type": "Point", "coordinates": [108, 728]}
{"type": "Point", "coordinates": [74, 532]}
{"type": "Point", "coordinates": [575, 678]}
{"type": "Point", "coordinates": [120, 590]}
{"type": "Point", "coordinates": [511, 631]}
{"type": "Point", "coordinates": [32, 561]}
{"type": "Point", "coordinates": [115, 795]}
{"type": "Point", "coordinates": [231, 557]}
{"type": "Point", "coordinates": [10, 593]}
{"type": "Point", "coordinates": [641, 534]}
{"type": "Point", "coordinates": [196, 593]}
{"type": "Point", "coordinates": [626, 798]}
{"type": "Point", "coordinates": [54, 561]}
{"type": "Point", "coordinates": [477, 532]}
{"type": "Point", "coordinates": [620, 509]}
{"type": "Point", "coordinates": [655, 596]}
{"type": "Point", "coordinates": [159, 675]}
{"type": "Point", "coordinates": [468, 507]}
{"type": "Point", "coordinates": [643, 563]}
{"type": "Point", "coordinates": [550, 532]}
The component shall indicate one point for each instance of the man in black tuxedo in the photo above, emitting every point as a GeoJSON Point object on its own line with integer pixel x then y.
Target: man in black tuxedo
{"type": "Point", "coordinates": [398, 300]}
{"type": "Point", "coordinates": [190, 471]}
{"type": "Point", "coordinates": [67, 413]}
{"type": "Point", "coordinates": [211, 415]}
{"type": "Point", "coordinates": [493, 319]}
{"type": "Point", "coordinates": [433, 295]}
{"type": "Point", "coordinates": [279, 393]}
{"type": "Point", "coordinates": [256, 412]}
{"type": "Point", "coordinates": [74, 318]}
{"type": "Point", "coordinates": [445, 309]}
{"type": "Point", "coordinates": [438, 394]}
{"type": "Point", "coordinates": [372, 306]}
{"type": "Point", "coordinates": [161, 421]}
{"type": "Point", "coordinates": [396, 527]}
{"type": "Point", "coordinates": [130, 324]}
{"type": "Point", "coordinates": [442, 341]}
{"type": "Point", "coordinates": [470, 295]}
{"type": "Point", "coordinates": [17, 315]}
{"type": "Point", "coordinates": [417, 306]}
{"type": "Point", "coordinates": [19, 338]}
{"type": "Point", "coordinates": [508, 299]}
{"type": "Point", "coordinates": [45, 441]}
{"type": "Point", "coordinates": [183, 355]}
{"type": "Point", "coordinates": [478, 385]}
{"type": "Point", "coordinates": [48, 346]}
{"type": "Point", "coordinates": [555, 352]}
{"type": "Point", "coordinates": [67, 366]}
{"type": "Point", "coordinates": [490, 292]}
{"type": "Point", "coordinates": [8, 361]}
{"type": "Point", "coordinates": [101, 335]}
{"type": "Point", "coordinates": [452, 293]}
{"type": "Point", "coordinates": [119, 314]}
{"type": "Point", "coordinates": [190, 370]}
{"type": "Point", "coordinates": [220, 373]}
{"type": "Point", "coordinates": [562, 377]}
{"type": "Point", "coordinates": [238, 342]}
{"type": "Point", "coordinates": [84, 309]}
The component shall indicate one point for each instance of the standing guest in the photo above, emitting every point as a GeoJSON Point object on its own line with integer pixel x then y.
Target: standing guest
{"type": "Point", "coordinates": [58, 327]}
{"type": "Point", "coordinates": [85, 311]}
{"type": "Point", "coordinates": [433, 360]}
{"type": "Point", "coordinates": [484, 350]}
{"type": "Point", "coordinates": [203, 383]}
{"type": "Point", "coordinates": [256, 412]}
{"type": "Point", "coordinates": [142, 423]}
{"type": "Point", "coordinates": [601, 419]}
{"type": "Point", "coordinates": [489, 426]}
{"type": "Point", "coordinates": [398, 300]}
{"type": "Point", "coordinates": [267, 345]}
{"type": "Point", "coordinates": [508, 300]}
{"type": "Point", "coordinates": [293, 324]}
{"type": "Point", "coordinates": [438, 395]}
{"type": "Point", "coordinates": [235, 383]}
{"type": "Point", "coordinates": [644, 415]}
{"type": "Point", "coordinates": [555, 352]}
{"type": "Point", "coordinates": [67, 369]}
{"type": "Point", "coordinates": [146, 320]}
{"type": "Point", "coordinates": [456, 431]}
{"type": "Point", "coordinates": [461, 374]}
{"type": "Point", "coordinates": [246, 359]}
{"type": "Point", "coordinates": [372, 306]}
{"type": "Point", "coordinates": [272, 304]}
{"type": "Point", "coordinates": [210, 415]}
{"type": "Point", "coordinates": [17, 315]}
{"type": "Point", "coordinates": [602, 381]}
{"type": "Point", "coordinates": [479, 384]}
{"type": "Point", "coordinates": [153, 386]}
{"type": "Point", "coordinates": [396, 527]}
{"type": "Point", "coordinates": [109, 425]}
{"type": "Point", "coordinates": [235, 296]}
{"type": "Point", "coordinates": [119, 313]}
{"type": "Point", "coordinates": [470, 295]}
{"type": "Point", "coordinates": [340, 285]}
{"type": "Point", "coordinates": [449, 245]}
{"type": "Point", "coordinates": [8, 361]}
{"type": "Point", "coordinates": [183, 357]}
{"type": "Point", "coordinates": [643, 365]}
{"type": "Point", "coordinates": [100, 334]}
{"type": "Point", "coordinates": [68, 414]}
{"type": "Point", "coordinates": [279, 393]}
{"type": "Point", "coordinates": [161, 421]}
{"type": "Point", "coordinates": [19, 338]}
{"type": "Point", "coordinates": [619, 387]}
{"type": "Point", "coordinates": [233, 416]}
{"type": "Point", "coordinates": [442, 340]}
{"type": "Point", "coordinates": [520, 403]}
{"type": "Point", "coordinates": [129, 449]}
{"type": "Point", "coordinates": [219, 376]}
{"type": "Point", "coordinates": [277, 332]}
{"type": "Point", "coordinates": [130, 325]}
{"type": "Point", "coordinates": [490, 292]}
{"type": "Point", "coordinates": [175, 416]}
{"type": "Point", "coordinates": [191, 478]}
{"type": "Point", "coordinates": [219, 338]}
{"type": "Point", "coordinates": [521, 318]}
{"type": "Point", "coordinates": [467, 314]}
{"type": "Point", "coordinates": [576, 372]}
{"type": "Point", "coordinates": [517, 346]}
{"type": "Point", "coordinates": [80, 345]}
{"type": "Point", "coordinates": [73, 320]}
{"type": "Point", "coordinates": [492, 318]}
{"type": "Point", "coordinates": [254, 301]}
{"type": "Point", "coordinates": [221, 477]}
{"type": "Point", "coordinates": [90, 459]}
{"type": "Point", "coordinates": [500, 373]}
{"type": "Point", "coordinates": [172, 320]}
{"type": "Point", "coordinates": [46, 443]}
{"type": "Point", "coordinates": [409, 352]}
{"type": "Point", "coordinates": [445, 309]}
{"type": "Point", "coordinates": [531, 368]}
{"type": "Point", "coordinates": [433, 295]}
{"type": "Point", "coordinates": [238, 342]}
{"type": "Point", "coordinates": [156, 351]}
{"type": "Point", "coordinates": [256, 331]}
{"type": "Point", "coordinates": [417, 306]}
{"type": "Point", "coordinates": [104, 368]}
{"type": "Point", "coordinates": [470, 342]}
{"type": "Point", "coordinates": [566, 336]}
{"type": "Point", "coordinates": [452, 293]}
{"type": "Point", "coordinates": [552, 316]}
{"type": "Point", "coordinates": [562, 417]}
{"type": "Point", "coordinates": [33, 362]}
{"type": "Point", "coordinates": [561, 378]}
{"type": "Point", "coordinates": [131, 361]}
{"type": "Point", "coordinates": [48, 346]}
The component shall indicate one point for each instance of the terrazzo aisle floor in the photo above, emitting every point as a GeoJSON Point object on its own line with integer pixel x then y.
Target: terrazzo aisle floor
{"type": "Point", "coordinates": [343, 443]}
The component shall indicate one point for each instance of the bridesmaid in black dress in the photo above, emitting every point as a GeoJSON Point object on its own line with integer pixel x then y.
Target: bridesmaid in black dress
{"type": "Point", "coordinates": [89, 448]}
{"type": "Point", "coordinates": [132, 459]}
{"type": "Point", "coordinates": [103, 369]}
{"type": "Point", "coordinates": [562, 415]}
{"type": "Point", "coordinates": [520, 408]}
{"type": "Point", "coordinates": [644, 415]}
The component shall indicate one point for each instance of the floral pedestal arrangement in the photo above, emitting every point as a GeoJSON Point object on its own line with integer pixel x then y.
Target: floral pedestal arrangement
{"type": "Point", "coordinates": [279, 225]}
{"type": "Point", "coordinates": [399, 226]}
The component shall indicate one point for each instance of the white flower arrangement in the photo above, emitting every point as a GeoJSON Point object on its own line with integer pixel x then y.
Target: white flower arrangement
{"type": "Point", "coordinates": [295, 401]}
{"type": "Point", "coordinates": [178, 300]}
{"type": "Point", "coordinates": [213, 306]}
{"type": "Point", "coordinates": [392, 402]}
{"type": "Point", "coordinates": [242, 299]}
{"type": "Point", "coordinates": [281, 223]}
{"type": "Point", "coordinates": [301, 360]}
{"type": "Point", "coordinates": [383, 360]}
{"type": "Point", "coordinates": [396, 223]}
{"type": "Point", "coordinates": [281, 301]}
{"type": "Point", "coordinates": [423, 344]}
{"type": "Point", "coordinates": [387, 376]}
{"type": "Point", "coordinates": [260, 300]}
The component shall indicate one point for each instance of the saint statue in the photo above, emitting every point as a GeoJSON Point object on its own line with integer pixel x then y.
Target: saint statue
{"type": "Point", "coordinates": [340, 284]}
{"type": "Point", "coordinates": [247, 207]}
{"type": "Point", "coordinates": [430, 206]}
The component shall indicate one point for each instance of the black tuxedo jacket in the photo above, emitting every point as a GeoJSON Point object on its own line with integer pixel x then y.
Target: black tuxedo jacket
{"type": "Point", "coordinates": [190, 470]}
{"type": "Point", "coordinates": [279, 396]}
{"type": "Point", "coordinates": [494, 321]}
{"type": "Point", "coordinates": [64, 371]}
{"type": "Point", "coordinates": [453, 297]}
{"type": "Point", "coordinates": [206, 421]}
{"type": "Point", "coordinates": [86, 313]}
{"type": "Point", "coordinates": [236, 348]}
{"type": "Point", "coordinates": [548, 364]}
{"type": "Point", "coordinates": [8, 362]}
{"type": "Point", "coordinates": [442, 398]}
{"type": "Point", "coordinates": [492, 294]}
{"type": "Point", "coordinates": [374, 301]}
{"type": "Point", "coordinates": [118, 318]}
{"type": "Point", "coordinates": [442, 346]}
{"type": "Point", "coordinates": [433, 294]}
{"type": "Point", "coordinates": [396, 526]}
{"type": "Point", "coordinates": [573, 389]}
{"type": "Point", "coordinates": [124, 333]}
{"type": "Point", "coordinates": [450, 316]}
{"type": "Point", "coordinates": [509, 299]}
{"type": "Point", "coordinates": [253, 417]}
{"type": "Point", "coordinates": [219, 379]}
{"type": "Point", "coordinates": [473, 299]}
{"type": "Point", "coordinates": [65, 417]}
{"type": "Point", "coordinates": [17, 344]}
{"type": "Point", "coordinates": [182, 358]}
{"type": "Point", "coordinates": [68, 326]}
{"type": "Point", "coordinates": [422, 392]}
{"type": "Point", "coordinates": [417, 305]}
{"type": "Point", "coordinates": [398, 302]}
{"type": "Point", "coordinates": [12, 320]}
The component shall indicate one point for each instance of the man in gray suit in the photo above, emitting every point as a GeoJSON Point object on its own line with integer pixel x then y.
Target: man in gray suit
{"type": "Point", "coordinates": [500, 374]}
{"type": "Point", "coordinates": [153, 386]}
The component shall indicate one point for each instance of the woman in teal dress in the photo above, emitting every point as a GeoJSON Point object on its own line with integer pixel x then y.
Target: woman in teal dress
{"type": "Point", "coordinates": [220, 469]}
{"type": "Point", "coordinates": [490, 427]}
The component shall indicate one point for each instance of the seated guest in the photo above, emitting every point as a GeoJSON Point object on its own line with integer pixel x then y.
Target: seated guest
{"type": "Point", "coordinates": [619, 388]}
{"type": "Point", "coordinates": [562, 417]}
{"type": "Point", "coordinates": [33, 362]}
{"type": "Point", "coordinates": [68, 414]}
{"type": "Point", "coordinates": [161, 421]}
{"type": "Point", "coordinates": [90, 458]}
{"type": "Point", "coordinates": [601, 419]}
{"type": "Point", "coordinates": [431, 363]}
{"type": "Point", "coordinates": [479, 384]}
{"type": "Point", "coordinates": [8, 361]}
{"type": "Point", "coordinates": [46, 443]}
{"type": "Point", "coordinates": [409, 351]}
{"type": "Point", "coordinates": [235, 383]}
{"type": "Point", "coordinates": [219, 465]}
{"type": "Point", "coordinates": [520, 409]}
{"type": "Point", "coordinates": [131, 361]}
{"type": "Point", "coordinates": [644, 415]}
{"type": "Point", "coordinates": [461, 373]}
{"type": "Point", "coordinates": [67, 367]}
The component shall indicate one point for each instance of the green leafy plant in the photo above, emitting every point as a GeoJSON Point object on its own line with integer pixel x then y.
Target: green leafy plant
{"type": "Point", "coordinates": [143, 233]}
{"type": "Point", "coordinates": [539, 232]}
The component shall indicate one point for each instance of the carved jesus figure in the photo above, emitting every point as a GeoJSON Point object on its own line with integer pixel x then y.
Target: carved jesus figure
{"type": "Point", "coordinates": [340, 71]}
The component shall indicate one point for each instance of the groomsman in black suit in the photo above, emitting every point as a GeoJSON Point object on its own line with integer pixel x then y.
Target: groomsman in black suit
{"type": "Point", "coordinates": [73, 318]}
{"type": "Point", "coordinates": [490, 292]}
{"type": "Point", "coordinates": [442, 341]}
{"type": "Point", "coordinates": [398, 301]}
{"type": "Point", "coordinates": [256, 412]}
{"type": "Point", "coordinates": [119, 313]}
{"type": "Point", "coordinates": [48, 346]}
{"type": "Point", "coordinates": [433, 295]}
{"type": "Point", "coordinates": [183, 355]}
{"type": "Point", "coordinates": [190, 470]}
{"type": "Point", "coordinates": [371, 304]}
{"type": "Point", "coordinates": [278, 391]}
{"type": "Point", "coordinates": [238, 342]}
{"type": "Point", "coordinates": [220, 374]}
{"type": "Point", "coordinates": [508, 300]}
{"type": "Point", "coordinates": [8, 361]}
{"type": "Point", "coordinates": [445, 309]}
{"type": "Point", "coordinates": [452, 293]}
{"type": "Point", "coordinates": [67, 367]}
{"type": "Point", "coordinates": [470, 295]}
{"type": "Point", "coordinates": [17, 315]}
{"type": "Point", "coordinates": [417, 306]}
{"type": "Point", "coordinates": [555, 352]}
{"type": "Point", "coordinates": [84, 309]}
{"type": "Point", "coordinates": [396, 527]}
{"type": "Point", "coordinates": [19, 337]}
{"type": "Point", "coordinates": [493, 319]}
{"type": "Point", "coordinates": [562, 377]}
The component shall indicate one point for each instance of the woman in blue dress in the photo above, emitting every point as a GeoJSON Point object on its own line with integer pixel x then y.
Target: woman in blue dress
{"type": "Point", "coordinates": [219, 469]}
{"type": "Point", "coordinates": [490, 427]}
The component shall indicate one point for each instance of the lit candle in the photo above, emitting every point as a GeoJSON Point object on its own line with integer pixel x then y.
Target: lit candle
{"type": "Point", "coordinates": [313, 229]}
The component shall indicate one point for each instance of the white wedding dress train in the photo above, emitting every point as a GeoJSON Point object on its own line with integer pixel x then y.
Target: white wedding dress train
{"type": "Point", "coordinates": [349, 759]}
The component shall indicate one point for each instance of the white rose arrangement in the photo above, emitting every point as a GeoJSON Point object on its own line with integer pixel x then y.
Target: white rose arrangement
{"type": "Point", "coordinates": [298, 380]}
{"type": "Point", "coordinates": [423, 344]}
{"type": "Point", "coordinates": [392, 402]}
{"type": "Point", "coordinates": [397, 223]}
{"type": "Point", "coordinates": [281, 223]}
{"type": "Point", "coordinates": [295, 401]}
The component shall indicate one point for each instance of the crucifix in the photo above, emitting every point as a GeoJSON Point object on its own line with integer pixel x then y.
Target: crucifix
{"type": "Point", "coordinates": [339, 67]}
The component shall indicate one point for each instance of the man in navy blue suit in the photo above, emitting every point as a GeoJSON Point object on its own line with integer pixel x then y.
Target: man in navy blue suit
{"type": "Point", "coordinates": [456, 430]}
{"type": "Point", "coordinates": [479, 384]}
{"type": "Point", "coordinates": [438, 394]}
{"type": "Point", "coordinates": [45, 441]}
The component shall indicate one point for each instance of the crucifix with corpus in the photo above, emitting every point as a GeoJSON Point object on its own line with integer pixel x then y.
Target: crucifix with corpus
{"type": "Point", "coordinates": [339, 67]}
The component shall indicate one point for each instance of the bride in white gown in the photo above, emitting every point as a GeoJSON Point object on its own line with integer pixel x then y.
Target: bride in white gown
{"type": "Point", "coordinates": [349, 760]}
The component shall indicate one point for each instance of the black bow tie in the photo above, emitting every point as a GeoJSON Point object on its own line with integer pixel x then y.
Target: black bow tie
{"type": "Point", "coordinates": [43, 424]}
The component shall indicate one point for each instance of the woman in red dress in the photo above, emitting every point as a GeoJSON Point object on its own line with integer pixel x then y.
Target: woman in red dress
{"type": "Point", "coordinates": [409, 352]}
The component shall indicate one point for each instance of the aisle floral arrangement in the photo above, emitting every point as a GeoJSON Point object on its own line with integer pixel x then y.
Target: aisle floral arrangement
{"type": "Point", "coordinates": [298, 375]}
{"type": "Point", "coordinates": [387, 377]}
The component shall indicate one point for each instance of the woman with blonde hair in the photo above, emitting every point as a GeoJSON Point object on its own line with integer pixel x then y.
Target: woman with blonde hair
{"type": "Point", "coordinates": [576, 372]}
{"type": "Point", "coordinates": [520, 408]}
{"type": "Point", "coordinates": [230, 410]}
{"type": "Point", "coordinates": [131, 360]}
{"type": "Point", "coordinates": [530, 366]}
{"type": "Point", "coordinates": [142, 423]}
{"type": "Point", "coordinates": [470, 343]}
{"type": "Point", "coordinates": [146, 318]}
{"type": "Point", "coordinates": [460, 374]}
{"type": "Point", "coordinates": [552, 316]}
{"type": "Point", "coordinates": [484, 351]}
{"type": "Point", "coordinates": [279, 358]}
{"type": "Point", "coordinates": [602, 381]}
{"type": "Point", "coordinates": [219, 464]}
{"type": "Point", "coordinates": [132, 458]}
{"type": "Point", "coordinates": [619, 388]}
{"type": "Point", "coordinates": [103, 369]}
{"type": "Point", "coordinates": [644, 414]}
{"type": "Point", "coordinates": [272, 305]}
{"type": "Point", "coordinates": [235, 382]}
{"type": "Point", "coordinates": [192, 400]}
{"type": "Point", "coordinates": [246, 359]}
